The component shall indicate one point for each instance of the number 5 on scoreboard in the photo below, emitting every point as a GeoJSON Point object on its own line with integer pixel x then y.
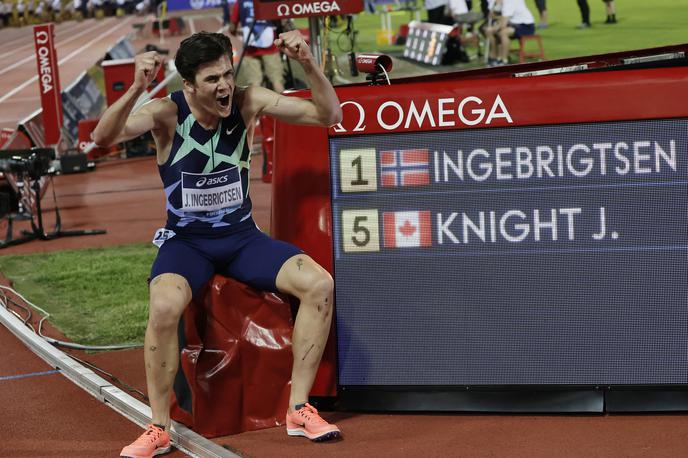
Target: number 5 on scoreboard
{"type": "Point", "coordinates": [357, 170]}
{"type": "Point", "coordinates": [360, 231]}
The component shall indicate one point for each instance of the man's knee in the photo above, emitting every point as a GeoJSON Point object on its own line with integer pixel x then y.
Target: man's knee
{"type": "Point", "coordinates": [321, 284]}
{"type": "Point", "coordinates": [318, 292]}
{"type": "Point", "coordinates": [305, 279]}
{"type": "Point", "coordinates": [169, 296]}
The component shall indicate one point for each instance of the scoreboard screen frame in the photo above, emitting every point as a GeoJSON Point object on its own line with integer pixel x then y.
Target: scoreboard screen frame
{"type": "Point", "coordinates": [480, 100]}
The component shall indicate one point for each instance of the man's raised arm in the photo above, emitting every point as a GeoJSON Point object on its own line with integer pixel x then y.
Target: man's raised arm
{"type": "Point", "coordinates": [322, 110]}
{"type": "Point", "coordinates": [116, 124]}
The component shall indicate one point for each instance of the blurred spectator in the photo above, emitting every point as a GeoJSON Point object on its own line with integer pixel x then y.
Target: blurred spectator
{"type": "Point", "coordinates": [39, 10]}
{"type": "Point", "coordinates": [261, 57]}
{"type": "Point", "coordinates": [486, 7]}
{"type": "Point", "coordinates": [437, 12]}
{"type": "Point", "coordinates": [457, 8]}
{"type": "Point", "coordinates": [541, 6]}
{"type": "Point", "coordinates": [143, 7]}
{"type": "Point", "coordinates": [585, 14]}
{"type": "Point", "coordinates": [225, 12]}
{"type": "Point", "coordinates": [461, 13]}
{"type": "Point", "coordinates": [56, 8]}
{"type": "Point", "coordinates": [515, 20]}
{"type": "Point", "coordinates": [96, 8]}
{"type": "Point", "coordinates": [441, 12]}
{"type": "Point", "coordinates": [21, 12]}
{"type": "Point", "coordinates": [5, 13]}
{"type": "Point", "coordinates": [611, 12]}
{"type": "Point", "coordinates": [80, 8]}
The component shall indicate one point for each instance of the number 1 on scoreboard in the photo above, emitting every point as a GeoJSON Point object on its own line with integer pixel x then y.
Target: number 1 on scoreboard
{"type": "Point", "coordinates": [358, 170]}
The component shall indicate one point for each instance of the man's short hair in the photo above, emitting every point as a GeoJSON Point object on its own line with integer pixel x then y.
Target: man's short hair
{"type": "Point", "coordinates": [198, 49]}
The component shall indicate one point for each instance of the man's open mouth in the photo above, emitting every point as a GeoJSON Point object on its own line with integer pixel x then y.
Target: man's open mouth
{"type": "Point", "coordinates": [223, 101]}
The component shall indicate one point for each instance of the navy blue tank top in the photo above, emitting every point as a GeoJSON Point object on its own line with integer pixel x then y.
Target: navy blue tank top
{"type": "Point", "coordinates": [206, 176]}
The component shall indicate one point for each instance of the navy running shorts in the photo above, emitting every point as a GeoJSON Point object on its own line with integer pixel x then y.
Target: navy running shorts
{"type": "Point", "coordinates": [247, 255]}
{"type": "Point", "coordinates": [523, 30]}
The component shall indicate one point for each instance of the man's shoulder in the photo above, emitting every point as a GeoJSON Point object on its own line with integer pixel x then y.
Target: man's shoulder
{"type": "Point", "coordinates": [249, 94]}
{"type": "Point", "coordinates": [246, 95]}
{"type": "Point", "coordinates": [161, 107]}
{"type": "Point", "coordinates": [163, 103]}
{"type": "Point", "coordinates": [162, 110]}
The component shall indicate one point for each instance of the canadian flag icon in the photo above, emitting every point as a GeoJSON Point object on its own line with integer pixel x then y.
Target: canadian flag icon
{"type": "Point", "coordinates": [407, 229]}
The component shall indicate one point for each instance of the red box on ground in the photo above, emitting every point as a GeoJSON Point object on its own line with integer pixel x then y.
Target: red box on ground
{"type": "Point", "coordinates": [119, 76]}
{"type": "Point", "coordinates": [267, 126]}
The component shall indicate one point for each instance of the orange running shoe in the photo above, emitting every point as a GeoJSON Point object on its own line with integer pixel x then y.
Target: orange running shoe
{"type": "Point", "coordinates": [307, 423]}
{"type": "Point", "coordinates": [155, 441]}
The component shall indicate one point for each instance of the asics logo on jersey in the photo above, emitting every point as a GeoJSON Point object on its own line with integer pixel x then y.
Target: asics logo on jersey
{"type": "Point", "coordinates": [211, 181]}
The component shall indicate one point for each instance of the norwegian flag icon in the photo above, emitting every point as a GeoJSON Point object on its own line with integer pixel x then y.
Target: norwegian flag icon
{"type": "Point", "coordinates": [407, 229]}
{"type": "Point", "coordinates": [406, 167]}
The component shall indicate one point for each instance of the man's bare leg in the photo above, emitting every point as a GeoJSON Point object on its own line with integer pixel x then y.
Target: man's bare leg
{"type": "Point", "coordinates": [303, 278]}
{"type": "Point", "coordinates": [313, 286]}
{"type": "Point", "coordinates": [505, 43]}
{"type": "Point", "coordinates": [169, 296]}
{"type": "Point", "coordinates": [490, 33]}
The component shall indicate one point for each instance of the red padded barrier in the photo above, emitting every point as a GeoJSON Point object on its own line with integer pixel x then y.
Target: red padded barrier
{"type": "Point", "coordinates": [237, 360]}
{"type": "Point", "coordinates": [267, 127]}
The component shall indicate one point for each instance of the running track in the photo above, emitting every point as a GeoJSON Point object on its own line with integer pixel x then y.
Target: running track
{"type": "Point", "coordinates": [45, 415]}
{"type": "Point", "coordinates": [79, 45]}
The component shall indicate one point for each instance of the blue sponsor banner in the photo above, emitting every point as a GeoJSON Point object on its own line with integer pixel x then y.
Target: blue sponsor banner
{"type": "Point", "coordinates": [120, 50]}
{"type": "Point", "coordinates": [511, 256]}
{"type": "Point", "coordinates": [176, 5]}
{"type": "Point", "coordinates": [81, 100]}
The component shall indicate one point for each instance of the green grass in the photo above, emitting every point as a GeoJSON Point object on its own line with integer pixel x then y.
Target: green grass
{"type": "Point", "coordinates": [642, 24]}
{"type": "Point", "coordinates": [95, 296]}
{"type": "Point", "coordinates": [100, 296]}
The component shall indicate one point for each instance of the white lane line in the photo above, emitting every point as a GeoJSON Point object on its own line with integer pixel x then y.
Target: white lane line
{"type": "Point", "coordinates": [29, 38]}
{"type": "Point", "coordinates": [62, 61]}
{"type": "Point", "coordinates": [33, 56]}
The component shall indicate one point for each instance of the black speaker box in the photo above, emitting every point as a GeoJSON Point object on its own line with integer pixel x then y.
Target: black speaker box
{"type": "Point", "coordinates": [74, 163]}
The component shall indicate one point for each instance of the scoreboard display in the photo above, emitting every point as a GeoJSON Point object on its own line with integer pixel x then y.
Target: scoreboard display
{"type": "Point", "coordinates": [513, 256]}
{"type": "Point", "coordinates": [501, 235]}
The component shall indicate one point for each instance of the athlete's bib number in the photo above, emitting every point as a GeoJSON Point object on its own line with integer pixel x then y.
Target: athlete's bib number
{"type": "Point", "coordinates": [162, 235]}
{"type": "Point", "coordinates": [211, 191]}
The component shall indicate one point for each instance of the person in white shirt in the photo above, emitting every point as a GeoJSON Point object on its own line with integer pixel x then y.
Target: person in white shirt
{"type": "Point", "coordinates": [437, 11]}
{"type": "Point", "coordinates": [462, 14]}
{"type": "Point", "coordinates": [515, 21]}
{"type": "Point", "coordinates": [56, 7]}
{"type": "Point", "coordinates": [5, 13]}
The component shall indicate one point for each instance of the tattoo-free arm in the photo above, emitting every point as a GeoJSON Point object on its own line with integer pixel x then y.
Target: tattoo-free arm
{"type": "Point", "coordinates": [322, 110]}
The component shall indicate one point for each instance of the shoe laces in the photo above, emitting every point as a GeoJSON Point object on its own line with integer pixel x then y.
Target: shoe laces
{"type": "Point", "coordinates": [151, 434]}
{"type": "Point", "coordinates": [310, 413]}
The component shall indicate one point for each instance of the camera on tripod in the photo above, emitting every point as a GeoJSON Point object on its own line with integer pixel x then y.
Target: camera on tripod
{"type": "Point", "coordinates": [34, 162]}
{"type": "Point", "coordinates": [375, 65]}
{"type": "Point", "coordinates": [27, 167]}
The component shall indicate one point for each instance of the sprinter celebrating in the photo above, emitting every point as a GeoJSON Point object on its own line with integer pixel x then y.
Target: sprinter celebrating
{"type": "Point", "coordinates": [203, 135]}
